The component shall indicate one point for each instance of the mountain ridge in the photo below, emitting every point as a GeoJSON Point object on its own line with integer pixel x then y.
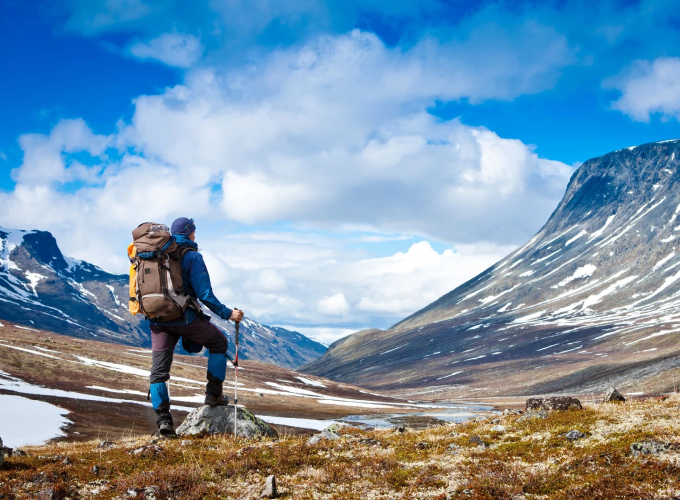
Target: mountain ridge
{"type": "Point", "coordinates": [595, 291]}
{"type": "Point", "coordinates": [42, 288]}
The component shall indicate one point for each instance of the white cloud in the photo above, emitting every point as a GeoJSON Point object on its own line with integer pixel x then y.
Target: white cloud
{"type": "Point", "coordinates": [337, 132]}
{"type": "Point", "coordinates": [357, 290]}
{"type": "Point", "coordinates": [335, 305]}
{"type": "Point", "coordinates": [333, 136]}
{"type": "Point", "coordinates": [44, 155]}
{"type": "Point", "coordinates": [173, 49]}
{"type": "Point", "coordinates": [649, 87]}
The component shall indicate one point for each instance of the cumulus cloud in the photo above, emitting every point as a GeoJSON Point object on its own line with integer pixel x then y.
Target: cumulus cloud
{"type": "Point", "coordinates": [173, 49]}
{"type": "Point", "coordinates": [647, 88]}
{"type": "Point", "coordinates": [335, 305]}
{"type": "Point", "coordinates": [330, 288]}
{"type": "Point", "coordinates": [331, 135]}
{"type": "Point", "coordinates": [337, 132]}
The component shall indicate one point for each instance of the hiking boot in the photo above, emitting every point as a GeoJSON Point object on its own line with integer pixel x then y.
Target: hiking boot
{"type": "Point", "coordinates": [166, 428]}
{"type": "Point", "coordinates": [211, 400]}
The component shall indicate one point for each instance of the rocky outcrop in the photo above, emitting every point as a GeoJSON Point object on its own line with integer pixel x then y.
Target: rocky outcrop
{"type": "Point", "coordinates": [612, 395]}
{"type": "Point", "coordinates": [328, 433]}
{"type": "Point", "coordinates": [554, 403]}
{"type": "Point", "coordinates": [220, 420]}
{"type": "Point", "coordinates": [650, 448]}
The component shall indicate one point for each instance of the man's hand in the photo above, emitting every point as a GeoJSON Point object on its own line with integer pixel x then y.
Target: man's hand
{"type": "Point", "coordinates": [236, 315]}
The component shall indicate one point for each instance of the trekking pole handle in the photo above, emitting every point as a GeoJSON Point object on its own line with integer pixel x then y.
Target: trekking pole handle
{"type": "Point", "coordinates": [238, 323]}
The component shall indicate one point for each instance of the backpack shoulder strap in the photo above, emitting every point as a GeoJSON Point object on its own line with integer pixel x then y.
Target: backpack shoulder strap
{"type": "Point", "coordinates": [184, 250]}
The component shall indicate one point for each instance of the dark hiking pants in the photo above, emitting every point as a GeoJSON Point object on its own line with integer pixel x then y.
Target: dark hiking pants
{"type": "Point", "coordinates": [163, 341]}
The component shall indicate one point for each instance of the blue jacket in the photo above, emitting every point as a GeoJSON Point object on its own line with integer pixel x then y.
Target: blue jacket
{"type": "Point", "coordinates": [196, 281]}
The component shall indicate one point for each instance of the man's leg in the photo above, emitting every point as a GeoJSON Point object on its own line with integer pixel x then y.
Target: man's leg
{"type": "Point", "coordinates": [162, 347]}
{"type": "Point", "coordinates": [208, 335]}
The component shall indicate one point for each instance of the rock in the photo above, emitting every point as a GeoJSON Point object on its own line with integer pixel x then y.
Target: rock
{"type": "Point", "coordinates": [400, 429]}
{"type": "Point", "coordinates": [574, 435]}
{"type": "Point", "coordinates": [508, 411]}
{"type": "Point", "coordinates": [530, 415]}
{"type": "Point", "coordinates": [422, 445]}
{"type": "Point", "coordinates": [66, 461]}
{"type": "Point", "coordinates": [105, 444]}
{"type": "Point", "coordinates": [18, 452]}
{"type": "Point", "coordinates": [554, 403]}
{"type": "Point", "coordinates": [478, 441]}
{"type": "Point", "coordinates": [328, 433]}
{"type": "Point", "coordinates": [498, 428]}
{"type": "Point", "coordinates": [149, 492]}
{"type": "Point", "coordinates": [496, 421]}
{"type": "Point", "coordinates": [95, 470]}
{"type": "Point", "coordinates": [148, 450]}
{"type": "Point", "coordinates": [269, 490]}
{"type": "Point", "coordinates": [453, 448]}
{"type": "Point", "coordinates": [185, 442]}
{"type": "Point", "coordinates": [649, 448]}
{"type": "Point", "coordinates": [613, 395]}
{"type": "Point", "coordinates": [220, 420]}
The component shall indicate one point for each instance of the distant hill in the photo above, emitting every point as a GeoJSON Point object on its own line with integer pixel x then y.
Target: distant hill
{"type": "Point", "coordinates": [41, 287]}
{"type": "Point", "coordinates": [593, 298]}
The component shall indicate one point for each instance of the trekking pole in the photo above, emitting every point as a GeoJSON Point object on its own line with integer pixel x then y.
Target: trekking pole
{"type": "Point", "coordinates": [238, 323]}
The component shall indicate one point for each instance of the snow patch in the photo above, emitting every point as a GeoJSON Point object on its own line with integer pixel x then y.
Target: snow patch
{"type": "Point", "coordinates": [310, 382]}
{"type": "Point", "coordinates": [580, 273]}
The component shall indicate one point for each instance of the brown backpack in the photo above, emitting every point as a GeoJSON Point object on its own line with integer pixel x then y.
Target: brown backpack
{"type": "Point", "coordinates": [157, 268]}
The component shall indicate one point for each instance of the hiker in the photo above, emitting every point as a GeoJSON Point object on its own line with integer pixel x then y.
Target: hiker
{"type": "Point", "coordinates": [190, 324]}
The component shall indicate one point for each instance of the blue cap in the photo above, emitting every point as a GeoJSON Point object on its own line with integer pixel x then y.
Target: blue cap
{"type": "Point", "coordinates": [183, 226]}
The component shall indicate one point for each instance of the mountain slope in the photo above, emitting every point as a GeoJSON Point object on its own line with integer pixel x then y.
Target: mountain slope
{"type": "Point", "coordinates": [593, 298]}
{"type": "Point", "coordinates": [40, 287]}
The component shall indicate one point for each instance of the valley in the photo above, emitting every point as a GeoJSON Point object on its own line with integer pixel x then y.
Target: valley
{"type": "Point", "coordinates": [103, 388]}
{"type": "Point", "coordinates": [592, 300]}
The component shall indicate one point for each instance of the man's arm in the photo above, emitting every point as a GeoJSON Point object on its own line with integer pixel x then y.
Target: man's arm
{"type": "Point", "coordinates": [200, 282]}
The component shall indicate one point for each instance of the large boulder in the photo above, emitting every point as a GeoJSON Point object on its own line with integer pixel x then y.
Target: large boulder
{"type": "Point", "coordinates": [553, 403]}
{"type": "Point", "coordinates": [220, 420]}
{"type": "Point", "coordinates": [612, 395]}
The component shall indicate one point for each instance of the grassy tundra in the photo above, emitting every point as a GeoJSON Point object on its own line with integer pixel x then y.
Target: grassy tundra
{"type": "Point", "coordinates": [530, 458]}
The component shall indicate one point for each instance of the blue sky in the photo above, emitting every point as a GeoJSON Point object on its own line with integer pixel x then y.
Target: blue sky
{"type": "Point", "coordinates": [347, 162]}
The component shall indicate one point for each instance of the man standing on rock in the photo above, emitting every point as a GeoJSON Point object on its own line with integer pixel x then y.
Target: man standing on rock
{"type": "Point", "coordinates": [193, 327]}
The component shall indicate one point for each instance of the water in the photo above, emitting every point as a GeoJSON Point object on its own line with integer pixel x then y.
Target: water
{"type": "Point", "coordinates": [26, 421]}
{"type": "Point", "coordinates": [434, 414]}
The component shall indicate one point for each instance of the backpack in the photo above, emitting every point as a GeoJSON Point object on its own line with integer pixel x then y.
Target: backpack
{"type": "Point", "coordinates": [156, 288]}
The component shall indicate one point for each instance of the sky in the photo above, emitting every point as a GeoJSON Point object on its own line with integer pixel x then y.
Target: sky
{"type": "Point", "coordinates": [346, 162]}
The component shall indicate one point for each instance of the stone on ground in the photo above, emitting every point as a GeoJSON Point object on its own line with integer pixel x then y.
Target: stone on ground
{"type": "Point", "coordinates": [269, 490]}
{"type": "Point", "coordinates": [328, 433]}
{"type": "Point", "coordinates": [649, 448]}
{"type": "Point", "coordinates": [612, 394]}
{"type": "Point", "coordinates": [533, 414]}
{"type": "Point", "coordinates": [207, 420]}
{"type": "Point", "coordinates": [553, 403]}
{"type": "Point", "coordinates": [574, 435]}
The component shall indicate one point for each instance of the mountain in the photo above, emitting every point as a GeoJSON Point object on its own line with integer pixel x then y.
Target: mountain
{"type": "Point", "coordinates": [40, 287]}
{"type": "Point", "coordinates": [592, 299]}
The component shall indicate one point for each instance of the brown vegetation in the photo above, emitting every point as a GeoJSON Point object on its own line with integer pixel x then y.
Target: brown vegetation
{"type": "Point", "coordinates": [530, 459]}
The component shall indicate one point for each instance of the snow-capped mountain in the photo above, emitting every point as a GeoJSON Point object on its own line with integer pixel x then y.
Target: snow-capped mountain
{"type": "Point", "coordinates": [41, 288]}
{"type": "Point", "coordinates": [593, 298]}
